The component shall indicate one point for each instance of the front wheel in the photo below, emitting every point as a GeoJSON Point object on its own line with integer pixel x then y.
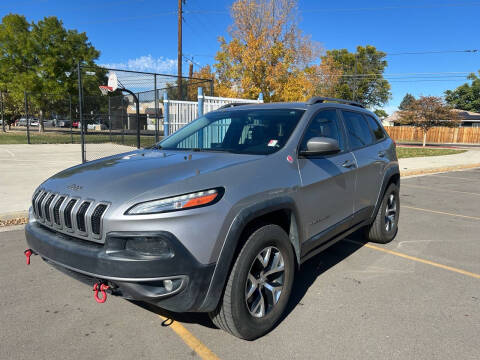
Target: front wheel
{"type": "Point", "coordinates": [259, 285]}
{"type": "Point", "coordinates": [385, 226]}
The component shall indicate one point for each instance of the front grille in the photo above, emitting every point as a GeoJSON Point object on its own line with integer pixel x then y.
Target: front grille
{"type": "Point", "coordinates": [47, 207]}
{"type": "Point", "coordinates": [97, 217]}
{"type": "Point", "coordinates": [82, 210]}
{"type": "Point", "coordinates": [58, 212]}
{"type": "Point", "coordinates": [67, 213]}
{"type": "Point", "coordinates": [34, 199]}
{"type": "Point", "coordinates": [39, 204]}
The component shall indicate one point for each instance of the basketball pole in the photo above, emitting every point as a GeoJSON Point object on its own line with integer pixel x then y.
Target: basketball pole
{"type": "Point", "coordinates": [135, 98]}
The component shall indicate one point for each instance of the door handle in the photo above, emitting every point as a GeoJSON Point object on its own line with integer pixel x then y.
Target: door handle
{"type": "Point", "coordinates": [348, 164]}
{"type": "Point", "coordinates": [381, 154]}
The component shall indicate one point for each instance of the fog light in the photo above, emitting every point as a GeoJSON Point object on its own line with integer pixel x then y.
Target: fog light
{"type": "Point", "coordinates": [153, 246]}
{"type": "Point", "coordinates": [168, 285]}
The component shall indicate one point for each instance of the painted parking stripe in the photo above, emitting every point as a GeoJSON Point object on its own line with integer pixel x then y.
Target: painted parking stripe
{"type": "Point", "coordinates": [414, 258]}
{"type": "Point", "coordinates": [188, 338]}
{"type": "Point", "coordinates": [439, 189]}
{"type": "Point", "coordinates": [441, 212]}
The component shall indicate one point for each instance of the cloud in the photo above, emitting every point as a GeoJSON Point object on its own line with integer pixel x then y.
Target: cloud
{"type": "Point", "coordinates": [146, 63]}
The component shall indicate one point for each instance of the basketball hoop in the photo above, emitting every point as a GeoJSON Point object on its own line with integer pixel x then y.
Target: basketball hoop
{"type": "Point", "coordinates": [105, 89]}
{"type": "Point", "coordinates": [113, 84]}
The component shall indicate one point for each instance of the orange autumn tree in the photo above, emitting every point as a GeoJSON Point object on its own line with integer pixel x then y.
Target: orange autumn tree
{"type": "Point", "coordinates": [269, 54]}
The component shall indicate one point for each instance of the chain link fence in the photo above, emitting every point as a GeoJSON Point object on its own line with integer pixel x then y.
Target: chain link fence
{"type": "Point", "coordinates": [40, 119]}
{"type": "Point", "coordinates": [112, 124]}
{"type": "Point", "coordinates": [101, 125]}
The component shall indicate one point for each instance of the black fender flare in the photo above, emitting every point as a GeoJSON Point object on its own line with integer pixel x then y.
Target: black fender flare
{"type": "Point", "coordinates": [388, 174]}
{"type": "Point", "coordinates": [226, 257]}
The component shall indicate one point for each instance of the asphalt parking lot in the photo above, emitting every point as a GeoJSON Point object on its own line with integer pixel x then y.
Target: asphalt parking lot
{"type": "Point", "coordinates": [415, 298]}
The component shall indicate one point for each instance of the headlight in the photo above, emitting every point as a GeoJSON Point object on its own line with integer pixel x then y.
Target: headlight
{"type": "Point", "coordinates": [175, 203]}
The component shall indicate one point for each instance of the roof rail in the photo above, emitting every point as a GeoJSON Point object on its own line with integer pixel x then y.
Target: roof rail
{"type": "Point", "coordinates": [229, 105]}
{"type": "Point", "coordinates": [321, 99]}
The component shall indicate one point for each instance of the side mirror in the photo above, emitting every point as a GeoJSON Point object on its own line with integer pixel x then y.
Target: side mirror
{"type": "Point", "coordinates": [321, 146]}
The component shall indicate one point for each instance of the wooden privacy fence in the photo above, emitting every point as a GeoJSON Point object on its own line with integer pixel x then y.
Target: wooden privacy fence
{"type": "Point", "coordinates": [464, 135]}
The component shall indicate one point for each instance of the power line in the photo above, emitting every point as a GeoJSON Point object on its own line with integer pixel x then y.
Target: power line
{"type": "Point", "coordinates": [420, 52]}
{"type": "Point", "coordinates": [394, 7]}
{"type": "Point", "coordinates": [434, 52]}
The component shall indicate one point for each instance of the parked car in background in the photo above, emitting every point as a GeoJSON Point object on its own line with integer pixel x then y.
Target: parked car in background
{"type": "Point", "coordinates": [64, 123]}
{"type": "Point", "coordinates": [23, 122]}
{"type": "Point", "coordinates": [75, 124]}
{"type": "Point", "coordinates": [49, 123]}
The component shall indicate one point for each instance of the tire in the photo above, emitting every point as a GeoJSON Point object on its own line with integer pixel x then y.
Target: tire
{"type": "Point", "coordinates": [385, 226]}
{"type": "Point", "coordinates": [237, 312]}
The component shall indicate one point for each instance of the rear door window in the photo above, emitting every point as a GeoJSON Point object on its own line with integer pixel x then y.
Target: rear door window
{"type": "Point", "coordinates": [376, 128]}
{"type": "Point", "coordinates": [358, 131]}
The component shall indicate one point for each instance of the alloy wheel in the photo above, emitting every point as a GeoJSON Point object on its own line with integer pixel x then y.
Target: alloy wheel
{"type": "Point", "coordinates": [390, 213]}
{"type": "Point", "coordinates": [265, 282]}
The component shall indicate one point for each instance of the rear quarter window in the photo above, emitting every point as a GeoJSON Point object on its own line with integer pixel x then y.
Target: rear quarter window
{"type": "Point", "coordinates": [376, 128]}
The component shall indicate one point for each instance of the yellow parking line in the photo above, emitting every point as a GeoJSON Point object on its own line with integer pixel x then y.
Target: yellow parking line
{"type": "Point", "coordinates": [441, 212]}
{"type": "Point", "coordinates": [189, 339]}
{"type": "Point", "coordinates": [423, 261]}
{"type": "Point", "coordinates": [439, 189]}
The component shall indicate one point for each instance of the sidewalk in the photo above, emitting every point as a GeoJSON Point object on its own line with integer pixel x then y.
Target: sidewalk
{"type": "Point", "coordinates": [429, 164]}
{"type": "Point", "coordinates": [24, 167]}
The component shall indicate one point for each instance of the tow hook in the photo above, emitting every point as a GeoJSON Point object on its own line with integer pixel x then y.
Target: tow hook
{"type": "Point", "coordinates": [28, 253]}
{"type": "Point", "coordinates": [102, 288]}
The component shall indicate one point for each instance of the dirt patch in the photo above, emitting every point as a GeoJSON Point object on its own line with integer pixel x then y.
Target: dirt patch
{"type": "Point", "coordinates": [14, 221]}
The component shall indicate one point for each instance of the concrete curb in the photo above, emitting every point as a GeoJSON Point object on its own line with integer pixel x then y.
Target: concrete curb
{"type": "Point", "coordinates": [438, 169]}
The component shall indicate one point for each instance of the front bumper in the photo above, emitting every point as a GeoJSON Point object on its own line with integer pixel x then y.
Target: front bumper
{"type": "Point", "coordinates": [129, 274]}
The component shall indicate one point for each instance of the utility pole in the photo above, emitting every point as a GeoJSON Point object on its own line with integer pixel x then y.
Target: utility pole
{"type": "Point", "coordinates": [190, 70]}
{"type": "Point", "coordinates": [190, 74]}
{"type": "Point", "coordinates": [179, 57]}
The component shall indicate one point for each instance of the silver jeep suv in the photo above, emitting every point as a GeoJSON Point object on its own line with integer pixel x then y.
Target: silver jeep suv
{"type": "Point", "coordinates": [218, 216]}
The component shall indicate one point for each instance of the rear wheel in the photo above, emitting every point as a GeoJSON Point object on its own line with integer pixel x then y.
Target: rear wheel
{"type": "Point", "coordinates": [259, 285]}
{"type": "Point", "coordinates": [385, 226]}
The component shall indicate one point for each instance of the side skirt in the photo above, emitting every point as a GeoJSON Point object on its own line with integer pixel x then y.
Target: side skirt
{"type": "Point", "coordinates": [332, 241]}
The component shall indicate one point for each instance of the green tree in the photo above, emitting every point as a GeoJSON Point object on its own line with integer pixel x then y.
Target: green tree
{"type": "Point", "coordinates": [43, 56]}
{"type": "Point", "coordinates": [407, 101]}
{"type": "Point", "coordinates": [16, 62]}
{"type": "Point", "coordinates": [427, 112]}
{"type": "Point", "coordinates": [382, 114]}
{"type": "Point", "coordinates": [466, 96]}
{"type": "Point", "coordinates": [362, 78]}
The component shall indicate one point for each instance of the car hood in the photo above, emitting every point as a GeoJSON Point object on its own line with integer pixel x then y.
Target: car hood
{"type": "Point", "coordinates": [140, 173]}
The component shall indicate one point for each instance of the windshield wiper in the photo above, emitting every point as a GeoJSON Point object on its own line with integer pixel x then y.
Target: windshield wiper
{"type": "Point", "coordinates": [155, 147]}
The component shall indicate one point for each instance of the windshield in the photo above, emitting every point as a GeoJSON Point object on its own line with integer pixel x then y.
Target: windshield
{"type": "Point", "coordinates": [259, 132]}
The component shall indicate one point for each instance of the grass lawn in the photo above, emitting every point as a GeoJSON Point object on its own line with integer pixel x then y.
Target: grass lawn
{"type": "Point", "coordinates": [408, 152]}
{"type": "Point", "coordinates": [67, 138]}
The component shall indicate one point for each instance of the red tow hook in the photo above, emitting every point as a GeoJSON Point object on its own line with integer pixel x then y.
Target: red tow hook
{"type": "Point", "coordinates": [102, 288]}
{"type": "Point", "coordinates": [28, 253]}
